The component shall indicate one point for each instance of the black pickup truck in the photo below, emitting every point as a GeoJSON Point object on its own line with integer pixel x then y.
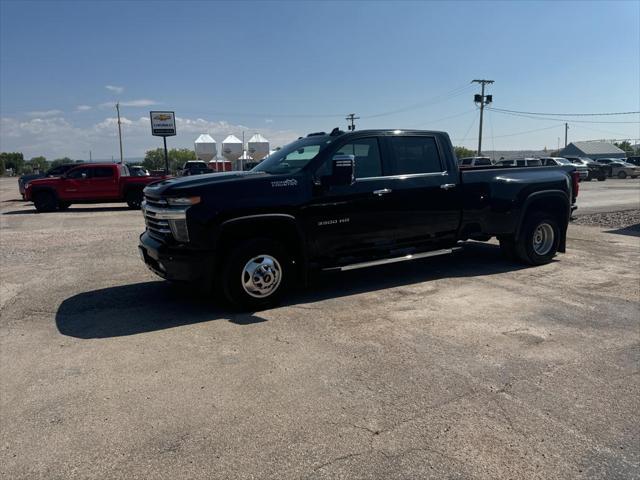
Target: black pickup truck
{"type": "Point", "coordinates": [342, 201]}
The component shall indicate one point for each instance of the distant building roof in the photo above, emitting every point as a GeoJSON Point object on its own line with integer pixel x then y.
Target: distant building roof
{"type": "Point", "coordinates": [596, 148]}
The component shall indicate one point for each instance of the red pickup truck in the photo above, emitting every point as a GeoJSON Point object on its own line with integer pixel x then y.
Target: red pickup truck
{"type": "Point", "coordinates": [88, 183]}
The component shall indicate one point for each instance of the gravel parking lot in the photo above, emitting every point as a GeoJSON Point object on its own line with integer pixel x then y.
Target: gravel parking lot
{"type": "Point", "coordinates": [454, 367]}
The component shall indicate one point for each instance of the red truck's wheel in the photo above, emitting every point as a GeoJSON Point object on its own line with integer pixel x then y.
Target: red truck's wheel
{"type": "Point", "coordinates": [539, 239]}
{"type": "Point", "coordinates": [134, 199]}
{"type": "Point", "coordinates": [45, 202]}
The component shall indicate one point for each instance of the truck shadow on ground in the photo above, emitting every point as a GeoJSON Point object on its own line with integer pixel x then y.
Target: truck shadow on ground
{"type": "Point", "coordinates": [158, 305]}
{"type": "Point", "coordinates": [633, 230]}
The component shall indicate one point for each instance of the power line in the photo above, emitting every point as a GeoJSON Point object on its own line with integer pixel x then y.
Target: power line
{"type": "Point", "coordinates": [446, 118]}
{"type": "Point", "coordinates": [461, 141]}
{"type": "Point", "coordinates": [456, 92]}
{"type": "Point", "coordinates": [529, 131]}
{"type": "Point", "coordinates": [553, 119]}
{"type": "Point", "coordinates": [565, 114]}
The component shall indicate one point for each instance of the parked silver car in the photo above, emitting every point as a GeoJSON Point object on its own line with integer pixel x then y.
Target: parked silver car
{"type": "Point", "coordinates": [583, 170]}
{"type": "Point", "coordinates": [474, 161]}
{"type": "Point", "coordinates": [624, 170]}
{"type": "Point", "coordinates": [520, 162]}
{"type": "Point", "coordinates": [617, 167]}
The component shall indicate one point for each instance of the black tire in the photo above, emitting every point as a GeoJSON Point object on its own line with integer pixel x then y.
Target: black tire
{"type": "Point", "coordinates": [276, 268]}
{"type": "Point", "coordinates": [602, 179]}
{"type": "Point", "coordinates": [622, 175]}
{"type": "Point", "coordinates": [45, 201]}
{"type": "Point", "coordinates": [134, 199]}
{"type": "Point", "coordinates": [508, 247]}
{"type": "Point", "coordinates": [531, 246]}
{"type": "Point", "coordinates": [64, 205]}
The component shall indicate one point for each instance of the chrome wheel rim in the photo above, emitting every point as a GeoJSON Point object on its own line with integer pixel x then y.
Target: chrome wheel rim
{"type": "Point", "coordinates": [261, 276]}
{"type": "Point", "coordinates": [543, 237]}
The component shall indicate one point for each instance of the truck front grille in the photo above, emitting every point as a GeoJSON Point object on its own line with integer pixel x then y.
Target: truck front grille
{"type": "Point", "coordinates": [157, 228]}
{"type": "Point", "coordinates": [164, 222]}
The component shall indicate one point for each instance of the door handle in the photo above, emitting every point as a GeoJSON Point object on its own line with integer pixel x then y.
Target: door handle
{"type": "Point", "coordinates": [447, 186]}
{"type": "Point", "coordinates": [381, 192]}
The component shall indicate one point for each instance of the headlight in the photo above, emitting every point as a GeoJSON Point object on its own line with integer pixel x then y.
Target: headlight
{"type": "Point", "coordinates": [182, 201]}
{"type": "Point", "coordinates": [179, 230]}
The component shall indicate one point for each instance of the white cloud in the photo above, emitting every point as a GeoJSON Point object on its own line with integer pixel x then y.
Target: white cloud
{"type": "Point", "coordinates": [83, 108]}
{"type": "Point", "coordinates": [45, 113]}
{"type": "Point", "coordinates": [143, 102]}
{"type": "Point", "coordinates": [268, 120]}
{"type": "Point", "coordinates": [114, 88]}
{"type": "Point", "coordinates": [56, 137]}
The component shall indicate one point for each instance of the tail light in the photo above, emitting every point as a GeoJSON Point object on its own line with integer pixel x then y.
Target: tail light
{"type": "Point", "coordinates": [575, 183]}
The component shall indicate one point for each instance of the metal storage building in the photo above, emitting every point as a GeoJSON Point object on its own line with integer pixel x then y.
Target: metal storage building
{"type": "Point", "coordinates": [593, 150]}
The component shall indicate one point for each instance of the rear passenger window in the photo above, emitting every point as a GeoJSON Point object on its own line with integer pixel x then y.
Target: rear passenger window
{"type": "Point", "coordinates": [102, 172]}
{"type": "Point", "coordinates": [415, 155]}
{"type": "Point", "coordinates": [467, 161]}
{"type": "Point", "coordinates": [367, 155]}
{"type": "Point", "coordinates": [483, 162]}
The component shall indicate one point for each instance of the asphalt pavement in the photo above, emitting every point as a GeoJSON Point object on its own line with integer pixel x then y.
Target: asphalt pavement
{"type": "Point", "coordinates": [454, 367]}
{"type": "Point", "coordinates": [611, 195]}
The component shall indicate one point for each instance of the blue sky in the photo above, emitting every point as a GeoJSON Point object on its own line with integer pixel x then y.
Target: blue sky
{"type": "Point", "coordinates": [287, 68]}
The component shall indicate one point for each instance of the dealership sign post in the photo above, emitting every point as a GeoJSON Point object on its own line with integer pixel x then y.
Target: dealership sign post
{"type": "Point", "coordinates": [163, 124]}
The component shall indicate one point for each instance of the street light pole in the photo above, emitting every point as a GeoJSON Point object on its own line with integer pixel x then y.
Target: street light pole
{"type": "Point", "coordinates": [119, 133]}
{"type": "Point", "coordinates": [483, 100]}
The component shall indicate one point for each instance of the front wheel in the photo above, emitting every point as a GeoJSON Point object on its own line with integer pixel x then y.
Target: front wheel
{"type": "Point", "coordinates": [134, 199]}
{"type": "Point", "coordinates": [602, 178]}
{"type": "Point", "coordinates": [64, 205]}
{"type": "Point", "coordinates": [256, 274]}
{"type": "Point", "coordinates": [622, 175]}
{"type": "Point", "coordinates": [539, 239]}
{"type": "Point", "coordinates": [45, 202]}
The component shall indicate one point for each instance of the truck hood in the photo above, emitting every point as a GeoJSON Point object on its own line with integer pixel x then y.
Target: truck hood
{"type": "Point", "coordinates": [172, 186]}
{"type": "Point", "coordinates": [193, 185]}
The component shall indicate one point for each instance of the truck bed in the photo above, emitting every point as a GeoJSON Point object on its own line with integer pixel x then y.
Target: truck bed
{"type": "Point", "coordinates": [493, 197]}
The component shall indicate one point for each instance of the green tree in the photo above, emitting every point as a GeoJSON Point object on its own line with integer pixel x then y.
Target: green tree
{"type": "Point", "coordinates": [14, 161]}
{"type": "Point", "coordinates": [60, 161]}
{"type": "Point", "coordinates": [462, 152]}
{"type": "Point", "coordinates": [2, 169]}
{"type": "Point", "coordinates": [154, 159]}
{"type": "Point", "coordinates": [626, 146]}
{"type": "Point", "coordinates": [39, 163]}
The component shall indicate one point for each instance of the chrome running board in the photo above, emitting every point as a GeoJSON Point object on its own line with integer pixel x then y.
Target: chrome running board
{"type": "Point", "coordinates": [384, 261]}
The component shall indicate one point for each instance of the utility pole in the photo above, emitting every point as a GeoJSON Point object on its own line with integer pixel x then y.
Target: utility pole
{"type": "Point", "coordinates": [119, 133]}
{"type": "Point", "coordinates": [566, 132]}
{"type": "Point", "coordinates": [90, 159]}
{"type": "Point", "coordinates": [351, 118]}
{"type": "Point", "coordinates": [483, 100]}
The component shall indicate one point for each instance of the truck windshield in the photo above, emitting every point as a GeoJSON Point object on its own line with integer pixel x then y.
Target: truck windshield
{"type": "Point", "coordinates": [295, 156]}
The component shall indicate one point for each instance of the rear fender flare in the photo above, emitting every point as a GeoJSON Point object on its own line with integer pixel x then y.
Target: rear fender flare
{"type": "Point", "coordinates": [132, 186]}
{"type": "Point", "coordinates": [557, 195]}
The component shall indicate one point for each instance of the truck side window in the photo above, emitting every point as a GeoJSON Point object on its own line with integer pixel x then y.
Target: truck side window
{"type": "Point", "coordinates": [102, 172]}
{"type": "Point", "coordinates": [367, 155]}
{"type": "Point", "coordinates": [77, 173]}
{"type": "Point", "coordinates": [415, 155]}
